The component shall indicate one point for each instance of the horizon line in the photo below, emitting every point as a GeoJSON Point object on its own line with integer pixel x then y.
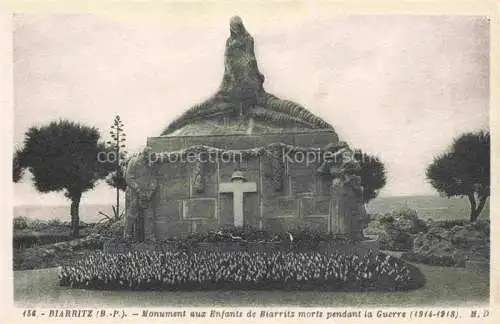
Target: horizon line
{"type": "Point", "coordinates": [111, 203]}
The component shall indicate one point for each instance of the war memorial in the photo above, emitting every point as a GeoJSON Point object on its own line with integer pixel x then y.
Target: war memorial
{"type": "Point", "coordinates": [245, 158]}
{"type": "Point", "coordinates": [216, 201]}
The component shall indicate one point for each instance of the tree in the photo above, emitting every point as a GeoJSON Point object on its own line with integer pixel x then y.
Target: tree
{"type": "Point", "coordinates": [464, 171]}
{"type": "Point", "coordinates": [17, 168]}
{"type": "Point", "coordinates": [117, 178]}
{"type": "Point", "coordinates": [372, 173]}
{"type": "Point", "coordinates": [63, 156]}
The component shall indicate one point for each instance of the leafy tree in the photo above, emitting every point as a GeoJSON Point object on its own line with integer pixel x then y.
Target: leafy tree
{"type": "Point", "coordinates": [372, 173]}
{"type": "Point", "coordinates": [17, 168]}
{"type": "Point", "coordinates": [63, 156]}
{"type": "Point", "coordinates": [117, 178]}
{"type": "Point", "coordinates": [464, 171]}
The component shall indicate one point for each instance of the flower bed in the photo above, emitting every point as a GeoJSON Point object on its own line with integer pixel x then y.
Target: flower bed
{"type": "Point", "coordinates": [240, 270]}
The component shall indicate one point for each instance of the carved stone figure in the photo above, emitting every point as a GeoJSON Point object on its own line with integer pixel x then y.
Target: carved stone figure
{"type": "Point", "coordinates": [141, 185]}
{"type": "Point", "coordinates": [242, 80]}
{"type": "Point", "coordinates": [347, 191]}
{"type": "Point", "coordinates": [241, 98]}
{"type": "Point", "coordinates": [333, 158]}
{"type": "Point", "coordinates": [352, 203]}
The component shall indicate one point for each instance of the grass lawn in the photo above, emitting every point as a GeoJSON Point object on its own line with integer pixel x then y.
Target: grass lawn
{"type": "Point", "coordinates": [453, 286]}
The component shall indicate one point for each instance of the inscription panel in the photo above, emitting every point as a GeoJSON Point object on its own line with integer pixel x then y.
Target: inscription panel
{"type": "Point", "coordinates": [226, 211]}
{"type": "Point", "coordinates": [281, 207]}
{"type": "Point", "coordinates": [324, 185]}
{"type": "Point", "coordinates": [268, 188]}
{"type": "Point", "coordinates": [303, 184]}
{"type": "Point", "coordinates": [317, 223]}
{"type": "Point", "coordinates": [199, 208]}
{"type": "Point", "coordinates": [171, 229]}
{"type": "Point", "coordinates": [321, 206]}
{"type": "Point", "coordinates": [173, 181]}
{"type": "Point", "coordinates": [251, 209]}
{"type": "Point", "coordinates": [315, 206]}
{"type": "Point", "coordinates": [169, 211]}
{"type": "Point", "coordinates": [282, 224]}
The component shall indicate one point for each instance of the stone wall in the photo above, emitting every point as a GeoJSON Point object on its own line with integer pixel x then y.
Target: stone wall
{"type": "Point", "coordinates": [303, 198]}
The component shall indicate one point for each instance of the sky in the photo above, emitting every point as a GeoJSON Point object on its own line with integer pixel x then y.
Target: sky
{"type": "Point", "coordinates": [396, 86]}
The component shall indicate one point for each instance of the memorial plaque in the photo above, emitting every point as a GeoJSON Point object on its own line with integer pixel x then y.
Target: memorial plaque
{"type": "Point", "coordinates": [199, 208]}
{"type": "Point", "coordinates": [304, 183]}
{"type": "Point", "coordinates": [281, 207]}
{"type": "Point", "coordinates": [174, 180]}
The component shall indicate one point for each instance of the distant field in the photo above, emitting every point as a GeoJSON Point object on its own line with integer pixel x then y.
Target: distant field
{"type": "Point", "coordinates": [88, 213]}
{"type": "Point", "coordinates": [436, 208]}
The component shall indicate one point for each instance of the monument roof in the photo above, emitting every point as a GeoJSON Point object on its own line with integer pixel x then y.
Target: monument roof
{"type": "Point", "coordinates": [241, 105]}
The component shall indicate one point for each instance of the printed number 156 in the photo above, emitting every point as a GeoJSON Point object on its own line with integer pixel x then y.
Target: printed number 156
{"type": "Point", "coordinates": [29, 313]}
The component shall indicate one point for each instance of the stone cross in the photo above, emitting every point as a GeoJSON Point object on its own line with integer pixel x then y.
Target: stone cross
{"type": "Point", "coordinates": [238, 186]}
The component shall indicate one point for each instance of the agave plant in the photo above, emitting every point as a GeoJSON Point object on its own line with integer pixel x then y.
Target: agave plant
{"type": "Point", "coordinates": [117, 178]}
{"type": "Point", "coordinates": [114, 217]}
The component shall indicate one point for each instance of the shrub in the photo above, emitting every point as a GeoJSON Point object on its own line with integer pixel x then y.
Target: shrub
{"type": "Point", "coordinates": [239, 270]}
{"type": "Point", "coordinates": [405, 212]}
{"type": "Point", "coordinates": [395, 240]}
{"type": "Point", "coordinates": [386, 219]}
{"type": "Point", "coordinates": [436, 260]}
{"type": "Point", "coordinates": [111, 229]}
{"type": "Point", "coordinates": [407, 220]}
{"type": "Point", "coordinates": [55, 222]}
{"type": "Point", "coordinates": [35, 224]}
{"type": "Point", "coordinates": [371, 217]}
{"type": "Point", "coordinates": [31, 240]}
{"type": "Point", "coordinates": [449, 224]}
{"type": "Point", "coordinates": [395, 230]}
{"type": "Point", "coordinates": [452, 243]}
{"type": "Point", "coordinates": [20, 222]}
{"type": "Point", "coordinates": [307, 235]}
{"type": "Point", "coordinates": [117, 228]}
{"type": "Point", "coordinates": [304, 237]}
{"type": "Point", "coordinates": [229, 234]}
{"type": "Point", "coordinates": [483, 226]}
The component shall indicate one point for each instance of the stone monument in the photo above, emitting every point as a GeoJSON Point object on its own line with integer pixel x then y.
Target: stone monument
{"type": "Point", "coordinates": [245, 157]}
